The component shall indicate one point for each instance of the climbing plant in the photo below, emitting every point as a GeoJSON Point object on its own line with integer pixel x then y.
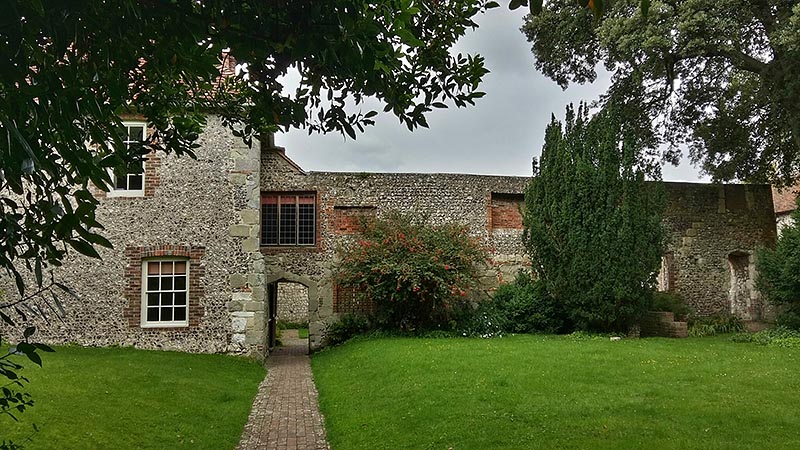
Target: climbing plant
{"type": "Point", "coordinates": [414, 272]}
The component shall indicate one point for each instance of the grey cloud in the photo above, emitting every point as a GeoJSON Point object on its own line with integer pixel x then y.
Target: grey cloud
{"type": "Point", "coordinates": [498, 136]}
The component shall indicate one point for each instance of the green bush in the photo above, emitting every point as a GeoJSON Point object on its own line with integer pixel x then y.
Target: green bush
{"type": "Point", "coordinates": [789, 319]}
{"type": "Point", "coordinates": [416, 274]}
{"type": "Point", "coordinates": [348, 326]}
{"type": "Point", "coordinates": [775, 337]}
{"type": "Point", "coordinates": [778, 270]}
{"type": "Point", "coordinates": [714, 325]}
{"type": "Point", "coordinates": [477, 319]}
{"type": "Point", "coordinates": [524, 306]}
{"type": "Point", "coordinates": [670, 302]}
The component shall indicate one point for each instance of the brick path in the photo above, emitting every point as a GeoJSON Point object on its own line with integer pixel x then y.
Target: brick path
{"type": "Point", "coordinates": [285, 414]}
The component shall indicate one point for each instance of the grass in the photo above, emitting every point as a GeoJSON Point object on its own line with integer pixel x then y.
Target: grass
{"type": "Point", "coordinates": [122, 398]}
{"type": "Point", "coordinates": [302, 333]}
{"type": "Point", "coordinates": [551, 392]}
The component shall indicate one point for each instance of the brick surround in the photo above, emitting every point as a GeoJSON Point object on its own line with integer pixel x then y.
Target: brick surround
{"type": "Point", "coordinates": [133, 274]}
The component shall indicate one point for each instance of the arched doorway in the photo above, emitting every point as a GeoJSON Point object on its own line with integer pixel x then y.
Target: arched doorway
{"type": "Point", "coordinates": [289, 299]}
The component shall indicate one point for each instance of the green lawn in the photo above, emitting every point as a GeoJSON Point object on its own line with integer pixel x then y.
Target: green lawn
{"type": "Point", "coordinates": [302, 333]}
{"type": "Point", "coordinates": [529, 392]}
{"type": "Point", "coordinates": [121, 398]}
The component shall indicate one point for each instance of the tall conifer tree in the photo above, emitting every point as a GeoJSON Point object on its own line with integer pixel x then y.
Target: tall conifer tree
{"type": "Point", "coordinates": [592, 224]}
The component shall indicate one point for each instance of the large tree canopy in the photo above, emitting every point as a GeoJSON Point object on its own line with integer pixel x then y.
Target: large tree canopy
{"type": "Point", "coordinates": [718, 76]}
{"type": "Point", "coordinates": [69, 69]}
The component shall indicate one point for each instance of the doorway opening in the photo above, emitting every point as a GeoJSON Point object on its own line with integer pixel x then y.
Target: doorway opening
{"type": "Point", "coordinates": [288, 314]}
{"type": "Point", "coordinates": [740, 295]}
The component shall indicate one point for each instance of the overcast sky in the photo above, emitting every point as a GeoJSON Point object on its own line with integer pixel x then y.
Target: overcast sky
{"type": "Point", "coordinates": [498, 136]}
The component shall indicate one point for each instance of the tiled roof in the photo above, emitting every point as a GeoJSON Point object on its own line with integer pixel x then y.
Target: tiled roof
{"type": "Point", "coordinates": [784, 199]}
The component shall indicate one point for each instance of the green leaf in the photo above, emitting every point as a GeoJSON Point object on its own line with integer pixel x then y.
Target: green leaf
{"type": "Point", "coordinates": [349, 130]}
{"type": "Point", "coordinates": [37, 271]}
{"type": "Point", "coordinates": [83, 248]}
{"type": "Point", "coordinates": [29, 332]}
{"type": "Point", "coordinates": [515, 4]}
{"type": "Point", "coordinates": [645, 7]}
{"type": "Point", "coordinates": [44, 348]}
{"type": "Point", "coordinates": [30, 351]}
{"type": "Point", "coordinates": [491, 5]}
{"type": "Point", "coordinates": [536, 7]}
{"type": "Point", "coordinates": [408, 38]}
{"type": "Point", "coordinates": [6, 319]}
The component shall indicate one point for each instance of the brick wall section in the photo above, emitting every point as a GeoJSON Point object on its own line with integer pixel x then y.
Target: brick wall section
{"type": "Point", "coordinates": [152, 179]}
{"type": "Point", "coordinates": [350, 220]}
{"type": "Point", "coordinates": [133, 275]}
{"type": "Point", "coordinates": [345, 301]}
{"type": "Point", "coordinates": [662, 324]}
{"type": "Point", "coordinates": [506, 211]}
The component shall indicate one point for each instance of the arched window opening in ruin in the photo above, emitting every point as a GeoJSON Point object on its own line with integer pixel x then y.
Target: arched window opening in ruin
{"type": "Point", "coordinates": [741, 286]}
{"type": "Point", "coordinates": [665, 274]}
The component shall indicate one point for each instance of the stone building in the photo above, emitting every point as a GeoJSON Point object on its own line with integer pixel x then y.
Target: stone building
{"type": "Point", "coordinates": [205, 248]}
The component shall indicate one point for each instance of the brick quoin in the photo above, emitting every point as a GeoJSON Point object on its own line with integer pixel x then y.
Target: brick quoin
{"type": "Point", "coordinates": [133, 273]}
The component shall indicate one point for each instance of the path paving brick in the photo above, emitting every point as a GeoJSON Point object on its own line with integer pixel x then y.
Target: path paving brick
{"type": "Point", "coordinates": [285, 414]}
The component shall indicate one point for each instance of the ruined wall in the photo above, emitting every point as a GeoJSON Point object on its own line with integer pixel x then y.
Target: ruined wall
{"type": "Point", "coordinates": [204, 210]}
{"type": "Point", "coordinates": [715, 231]}
{"type": "Point", "coordinates": [343, 198]}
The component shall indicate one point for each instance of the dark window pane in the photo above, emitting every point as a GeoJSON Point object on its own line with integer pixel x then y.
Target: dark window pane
{"type": "Point", "coordinates": [166, 314]}
{"type": "Point", "coordinates": [121, 182]}
{"type": "Point", "coordinates": [152, 299]}
{"type": "Point", "coordinates": [306, 225]}
{"type": "Point", "coordinates": [180, 298]}
{"type": "Point", "coordinates": [288, 225]}
{"type": "Point", "coordinates": [152, 283]}
{"type": "Point", "coordinates": [166, 283]}
{"type": "Point", "coordinates": [180, 314]}
{"type": "Point", "coordinates": [135, 182]}
{"type": "Point", "coordinates": [269, 224]}
{"type": "Point", "coordinates": [135, 133]}
{"type": "Point", "coordinates": [180, 283]}
{"type": "Point", "coordinates": [152, 314]}
{"type": "Point", "coordinates": [166, 299]}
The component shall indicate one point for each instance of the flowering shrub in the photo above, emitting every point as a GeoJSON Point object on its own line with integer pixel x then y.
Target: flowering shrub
{"type": "Point", "coordinates": [413, 272]}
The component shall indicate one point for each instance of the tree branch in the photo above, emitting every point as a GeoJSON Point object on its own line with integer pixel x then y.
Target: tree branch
{"type": "Point", "coordinates": [740, 60]}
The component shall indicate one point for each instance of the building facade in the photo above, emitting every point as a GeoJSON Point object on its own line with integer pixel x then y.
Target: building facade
{"type": "Point", "coordinates": [210, 252]}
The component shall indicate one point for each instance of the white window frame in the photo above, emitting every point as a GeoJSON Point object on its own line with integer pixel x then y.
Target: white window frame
{"type": "Point", "coordinates": [164, 324]}
{"type": "Point", "coordinates": [115, 192]}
